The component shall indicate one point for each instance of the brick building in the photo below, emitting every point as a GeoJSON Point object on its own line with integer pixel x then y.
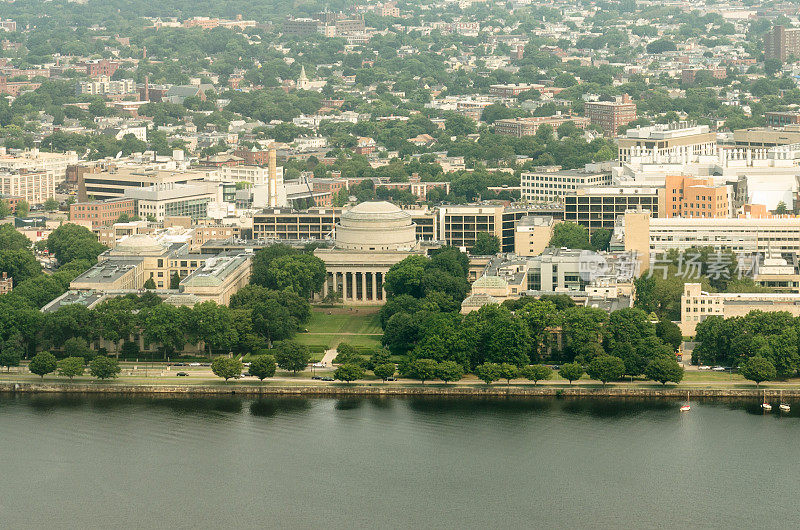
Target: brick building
{"type": "Point", "coordinates": [101, 213]}
{"type": "Point", "coordinates": [611, 115]}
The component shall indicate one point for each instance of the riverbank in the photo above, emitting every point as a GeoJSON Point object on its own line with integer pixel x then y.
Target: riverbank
{"type": "Point", "coordinates": [379, 389]}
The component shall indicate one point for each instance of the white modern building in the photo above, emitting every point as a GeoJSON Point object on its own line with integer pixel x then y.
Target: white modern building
{"type": "Point", "coordinates": [551, 184]}
{"type": "Point", "coordinates": [170, 199]}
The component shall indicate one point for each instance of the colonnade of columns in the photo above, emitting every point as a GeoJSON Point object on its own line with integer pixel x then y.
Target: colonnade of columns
{"type": "Point", "coordinates": [356, 286]}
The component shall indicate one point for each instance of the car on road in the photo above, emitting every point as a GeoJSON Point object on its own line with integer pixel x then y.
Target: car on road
{"type": "Point", "coordinates": [318, 378]}
{"type": "Point", "coordinates": [704, 367]}
{"type": "Point", "coordinates": [182, 374]}
{"type": "Point", "coordinates": [327, 378]}
{"type": "Point", "coordinates": [719, 369]}
{"type": "Point", "coordinates": [194, 364]}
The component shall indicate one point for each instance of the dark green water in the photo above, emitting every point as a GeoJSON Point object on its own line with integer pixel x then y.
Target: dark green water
{"type": "Point", "coordinates": [98, 462]}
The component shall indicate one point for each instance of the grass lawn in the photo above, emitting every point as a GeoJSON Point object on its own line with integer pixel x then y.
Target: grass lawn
{"type": "Point", "coordinates": [329, 327]}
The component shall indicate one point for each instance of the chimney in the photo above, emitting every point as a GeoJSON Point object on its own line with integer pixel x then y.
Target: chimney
{"type": "Point", "coordinates": [146, 88]}
{"type": "Point", "coordinates": [273, 178]}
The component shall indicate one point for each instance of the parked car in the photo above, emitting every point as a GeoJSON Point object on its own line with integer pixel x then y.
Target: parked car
{"type": "Point", "coordinates": [194, 364]}
{"type": "Point", "coordinates": [704, 367]}
{"type": "Point", "coordinates": [327, 378]}
{"type": "Point", "coordinates": [719, 368]}
{"type": "Point", "coordinates": [316, 377]}
{"type": "Point", "coordinates": [182, 374]}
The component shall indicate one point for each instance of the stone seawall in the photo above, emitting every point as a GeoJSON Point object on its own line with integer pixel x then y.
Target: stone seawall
{"type": "Point", "coordinates": [342, 389]}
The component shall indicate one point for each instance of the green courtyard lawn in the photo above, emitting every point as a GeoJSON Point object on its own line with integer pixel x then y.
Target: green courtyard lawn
{"type": "Point", "coordinates": [360, 327]}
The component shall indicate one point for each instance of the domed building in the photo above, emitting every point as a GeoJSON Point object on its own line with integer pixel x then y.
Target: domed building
{"type": "Point", "coordinates": [369, 238]}
{"type": "Point", "coordinates": [376, 226]}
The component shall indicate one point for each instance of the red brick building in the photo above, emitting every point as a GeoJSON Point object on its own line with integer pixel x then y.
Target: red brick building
{"type": "Point", "coordinates": [101, 213]}
{"type": "Point", "coordinates": [611, 115]}
{"type": "Point", "coordinates": [99, 67]}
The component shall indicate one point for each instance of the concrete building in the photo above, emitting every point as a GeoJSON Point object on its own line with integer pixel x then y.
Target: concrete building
{"type": "Point", "coordinates": [33, 186]}
{"type": "Point", "coordinates": [551, 183]}
{"type": "Point", "coordinates": [112, 182]}
{"type": "Point", "coordinates": [594, 279]}
{"type": "Point", "coordinates": [675, 142]}
{"type": "Point", "coordinates": [780, 119]}
{"type": "Point", "coordinates": [645, 234]}
{"type": "Point", "coordinates": [598, 207]}
{"type": "Point", "coordinates": [101, 213]}
{"type": "Point", "coordinates": [532, 235]}
{"type": "Point", "coordinates": [105, 86]}
{"type": "Point", "coordinates": [370, 238]}
{"type": "Point", "coordinates": [54, 165]}
{"type": "Point", "coordinates": [170, 199]}
{"type": "Point", "coordinates": [697, 305]}
{"type": "Point", "coordinates": [767, 136]}
{"type": "Point", "coordinates": [611, 115]}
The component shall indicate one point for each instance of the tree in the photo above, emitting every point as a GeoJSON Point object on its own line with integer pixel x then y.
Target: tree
{"type": "Point", "coordinates": [758, 369]}
{"type": "Point", "coordinates": [76, 347]}
{"type": "Point", "coordinates": [771, 67]}
{"type": "Point", "coordinates": [664, 369]}
{"type": "Point", "coordinates": [23, 209]}
{"type": "Point", "coordinates": [263, 366]}
{"type": "Point", "coordinates": [5, 209]}
{"type": "Point", "coordinates": [571, 372]}
{"type": "Point", "coordinates": [384, 371]}
{"type": "Point", "coordinates": [661, 46]}
{"type": "Point", "coordinates": [51, 204]}
{"type": "Point", "coordinates": [600, 239]}
{"type": "Point", "coordinates": [175, 280]}
{"type": "Point", "coordinates": [71, 242]}
{"type": "Point", "coordinates": [226, 367]}
{"type": "Point", "coordinates": [508, 372]}
{"type": "Point", "coordinates": [488, 372]}
{"type": "Point", "coordinates": [536, 373]}
{"type": "Point", "coordinates": [345, 353]}
{"type": "Point", "coordinates": [71, 366]}
{"type": "Point", "coordinates": [103, 367]}
{"type": "Point", "coordinates": [570, 235]}
{"type": "Point", "coordinates": [150, 284]}
{"type": "Point", "coordinates": [606, 368]}
{"type": "Point", "coordinates": [19, 264]}
{"type": "Point", "coordinates": [349, 372]}
{"type": "Point", "coordinates": [670, 333]}
{"type": "Point", "coordinates": [449, 371]}
{"type": "Point", "coordinates": [11, 354]}
{"type": "Point", "coordinates": [292, 356]}
{"type": "Point", "coordinates": [486, 244]}
{"type": "Point", "coordinates": [43, 363]}
{"type": "Point", "coordinates": [423, 369]}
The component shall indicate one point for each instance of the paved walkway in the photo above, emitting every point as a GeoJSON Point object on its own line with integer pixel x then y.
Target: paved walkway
{"type": "Point", "coordinates": [330, 355]}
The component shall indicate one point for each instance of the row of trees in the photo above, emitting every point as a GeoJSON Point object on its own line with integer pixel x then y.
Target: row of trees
{"type": "Point", "coordinates": [100, 367]}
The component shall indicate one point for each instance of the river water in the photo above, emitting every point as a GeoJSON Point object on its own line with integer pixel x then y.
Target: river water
{"type": "Point", "coordinates": [103, 462]}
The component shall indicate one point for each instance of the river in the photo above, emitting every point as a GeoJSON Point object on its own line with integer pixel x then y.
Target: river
{"type": "Point", "coordinates": [101, 462]}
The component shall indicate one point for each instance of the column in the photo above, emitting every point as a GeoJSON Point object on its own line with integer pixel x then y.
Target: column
{"type": "Point", "coordinates": [360, 287]}
{"type": "Point", "coordinates": [325, 285]}
{"type": "Point", "coordinates": [374, 286]}
{"type": "Point", "coordinates": [344, 286]}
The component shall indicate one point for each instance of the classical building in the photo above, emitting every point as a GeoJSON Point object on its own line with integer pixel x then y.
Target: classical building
{"type": "Point", "coordinates": [370, 238]}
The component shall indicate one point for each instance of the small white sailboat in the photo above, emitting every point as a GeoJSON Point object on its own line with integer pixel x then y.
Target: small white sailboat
{"type": "Point", "coordinates": [686, 407]}
{"type": "Point", "coordinates": [784, 406]}
{"type": "Point", "coordinates": [766, 406]}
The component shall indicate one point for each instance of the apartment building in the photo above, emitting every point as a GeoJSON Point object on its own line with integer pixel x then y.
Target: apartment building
{"type": "Point", "coordinates": [782, 42]}
{"type": "Point", "coordinates": [779, 119]}
{"type": "Point", "coordinates": [675, 142]}
{"type": "Point", "coordinates": [105, 86]}
{"type": "Point", "coordinates": [611, 115]}
{"type": "Point", "coordinates": [33, 186]}
{"type": "Point", "coordinates": [551, 183]}
{"type": "Point", "coordinates": [101, 213]}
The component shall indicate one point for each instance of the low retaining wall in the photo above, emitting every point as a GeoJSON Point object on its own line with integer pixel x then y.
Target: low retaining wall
{"type": "Point", "coordinates": [342, 389]}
